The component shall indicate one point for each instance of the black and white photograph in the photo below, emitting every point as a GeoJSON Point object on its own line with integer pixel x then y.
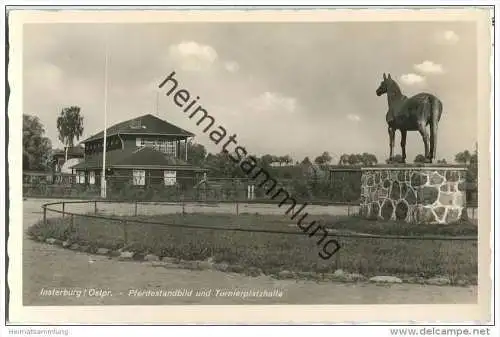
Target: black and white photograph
{"type": "Point", "coordinates": [269, 160]}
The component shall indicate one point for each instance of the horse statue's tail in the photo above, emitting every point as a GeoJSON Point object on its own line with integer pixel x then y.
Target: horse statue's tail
{"type": "Point", "coordinates": [436, 111]}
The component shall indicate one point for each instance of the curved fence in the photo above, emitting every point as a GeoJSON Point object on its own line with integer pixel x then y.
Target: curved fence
{"type": "Point", "coordinates": [262, 236]}
{"type": "Point", "coordinates": [138, 208]}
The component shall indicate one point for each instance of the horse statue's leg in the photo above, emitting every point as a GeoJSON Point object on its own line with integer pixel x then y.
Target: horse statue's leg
{"type": "Point", "coordinates": [425, 137]}
{"type": "Point", "coordinates": [403, 145]}
{"type": "Point", "coordinates": [433, 142]}
{"type": "Point", "coordinates": [392, 133]}
{"type": "Point", "coordinates": [435, 113]}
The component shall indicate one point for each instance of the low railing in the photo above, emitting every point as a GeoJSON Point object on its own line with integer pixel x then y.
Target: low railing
{"type": "Point", "coordinates": [182, 208]}
{"type": "Point", "coordinates": [266, 245]}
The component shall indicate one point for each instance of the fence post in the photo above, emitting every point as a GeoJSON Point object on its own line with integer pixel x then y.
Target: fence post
{"type": "Point", "coordinates": [72, 223]}
{"type": "Point", "coordinates": [95, 206]}
{"type": "Point", "coordinates": [348, 210]}
{"type": "Point", "coordinates": [183, 207]}
{"type": "Point", "coordinates": [45, 215]}
{"type": "Point", "coordinates": [237, 207]}
{"type": "Point", "coordinates": [135, 211]}
{"type": "Point", "coordinates": [337, 260]}
{"type": "Point", "coordinates": [63, 209]}
{"type": "Point", "coordinates": [125, 235]}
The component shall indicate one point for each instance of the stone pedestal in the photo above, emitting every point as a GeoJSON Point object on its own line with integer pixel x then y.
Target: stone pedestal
{"type": "Point", "coordinates": [416, 194]}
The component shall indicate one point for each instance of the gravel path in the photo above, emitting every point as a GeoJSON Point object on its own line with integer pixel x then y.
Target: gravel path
{"type": "Point", "coordinates": [109, 281]}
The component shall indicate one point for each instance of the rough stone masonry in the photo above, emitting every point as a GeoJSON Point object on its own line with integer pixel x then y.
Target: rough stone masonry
{"type": "Point", "coordinates": [428, 195]}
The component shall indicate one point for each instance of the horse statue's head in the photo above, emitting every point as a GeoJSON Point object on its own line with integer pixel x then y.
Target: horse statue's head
{"type": "Point", "coordinates": [385, 86]}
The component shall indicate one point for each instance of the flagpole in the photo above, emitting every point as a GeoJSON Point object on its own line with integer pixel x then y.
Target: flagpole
{"type": "Point", "coordinates": [103, 178]}
{"type": "Point", "coordinates": [157, 102]}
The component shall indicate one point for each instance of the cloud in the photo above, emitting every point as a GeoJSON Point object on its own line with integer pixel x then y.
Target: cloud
{"type": "Point", "coordinates": [447, 37]}
{"type": "Point", "coordinates": [412, 79]}
{"type": "Point", "coordinates": [192, 56]}
{"type": "Point", "coordinates": [270, 101]}
{"type": "Point", "coordinates": [45, 76]}
{"type": "Point", "coordinates": [353, 118]}
{"type": "Point", "coordinates": [232, 66]}
{"type": "Point", "coordinates": [429, 67]}
{"type": "Point", "coordinates": [51, 82]}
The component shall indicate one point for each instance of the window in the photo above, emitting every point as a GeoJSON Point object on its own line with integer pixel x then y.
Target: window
{"type": "Point", "coordinates": [80, 177]}
{"type": "Point", "coordinates": [170, 177]}
{"type": "Point", "coordinates": [92, 177]}
{"type": "Point", "coordinates": [162, 146]}
{"type": "Point", "coordinates": [139, 177]}
{"type": "Point", "coordinates": [166, 146]}
{"type": "Point", "coordinates": [171, 148]}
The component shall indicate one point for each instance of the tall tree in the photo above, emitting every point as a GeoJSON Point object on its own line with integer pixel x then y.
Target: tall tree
{"type": "Point", "coordinates": [287, 160]}
{"type": "Point", "coordinates": [474, 158]}
{"type": "Point", "coordinates": [223, 166]}
{"type": "Point", "coordinates": [396, 159]}
{"type": "Point", "coordinates": [473, 169]}
{"type": "Point", "coordinates": [36, 147]}
{"type": "Point", "coordinates": [324, 159]}
{"type": "Point", "coordinates": [267, 160]}
{"type": "Point", "coordinates": [196, 153]}
{"type": "Point", "coordinates": [306, 160]}
{"type": "Point", "coordinates": [70, 126]}
{"type": "Point", "coordinates": [344, 159]}
{"type": "Point", "coordinates": [353, 159]}
{"type": "Point", "coordinates": [368, 159]}
{"type": "Point", "coordinates": [420, 158]}
{"type": "Point", "coordinates": [463, 157]}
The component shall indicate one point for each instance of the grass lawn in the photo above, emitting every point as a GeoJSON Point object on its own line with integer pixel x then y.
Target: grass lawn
{"type": "Point", "coordinates": [293, 251]}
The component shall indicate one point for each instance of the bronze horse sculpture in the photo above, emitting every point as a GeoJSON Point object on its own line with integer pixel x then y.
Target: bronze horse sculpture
{"type": "Point", "coordinates": [411, 114]}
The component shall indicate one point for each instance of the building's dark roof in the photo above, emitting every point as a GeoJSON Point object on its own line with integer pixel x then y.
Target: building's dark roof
{"type": "Point", "coordinates": [143, 157]}
{"type": "Point", "coordinates": [143, 125]}
{"type": "Point", "coordinates": [72, 151]}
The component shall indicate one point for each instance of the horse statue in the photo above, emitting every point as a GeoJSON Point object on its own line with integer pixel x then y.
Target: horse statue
{"type": "Point", "coordinates": [411, 114]}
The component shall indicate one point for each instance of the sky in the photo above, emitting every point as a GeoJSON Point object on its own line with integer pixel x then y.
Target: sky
{"type": "Point", "coordinates": [282, 88]}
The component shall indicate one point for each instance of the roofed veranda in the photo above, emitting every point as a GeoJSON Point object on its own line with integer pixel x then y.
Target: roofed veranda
{"type": "Point", "coordinates": [142, 151]}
